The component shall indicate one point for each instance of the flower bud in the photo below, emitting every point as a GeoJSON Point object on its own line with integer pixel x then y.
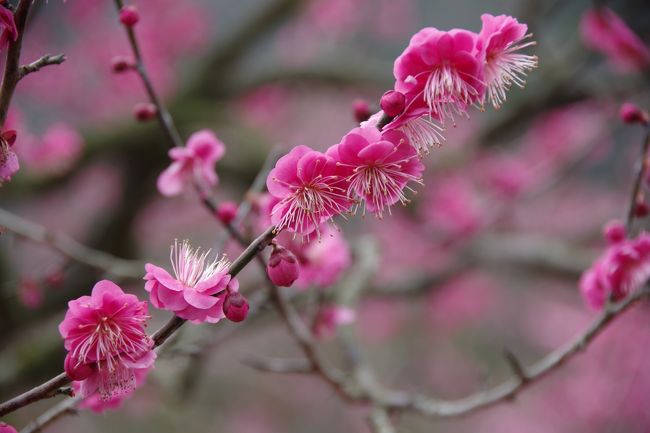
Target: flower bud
{"type": "Point", "coordinates": [630, 113]}
{"type": "Point", "coordinates": [235, 307]}
{"type": "Point", "coordinates": [641, 209]}
{"type": "Point", "coordinates": [393, 103]}
{"type": "Point", "coordinates": [283, 268]}
{"type": "Point", "coordinates": [76, 370]}
{"type": "Point", "coordinates": [227, 211]}
{"type": "Point", "coordinates": [144, 111]}
{"type": "Point", "coordinates": [361, 110]}
{"type": "Point", "coordinates": [121, 64]}
{"type": "Point", "coordinates": [129, 15]}
{"type": "Point", "coordinates": [614, 232]}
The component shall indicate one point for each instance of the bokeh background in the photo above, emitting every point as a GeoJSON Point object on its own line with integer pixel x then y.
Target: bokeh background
{"type": "Point", "coordinates": [486, 258]}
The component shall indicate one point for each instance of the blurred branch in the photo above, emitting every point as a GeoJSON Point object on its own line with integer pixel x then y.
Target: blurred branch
{"type": "Point", "coordinates": [379, 420]}
{"type": "Point", "coordinates": [37, 65]}
{"type": "Point", "coordinates": [279, 365]}
{"type": "Point", "coordinates": [70, 248]}
{"type": "Point", "coordinates": [636, 194]}
{"type": "Point", "coordinates": [66, 407]}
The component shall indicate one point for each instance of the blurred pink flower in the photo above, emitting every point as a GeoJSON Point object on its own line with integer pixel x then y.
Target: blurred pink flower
{"type": "Point", "coordinates": [506, 175]}
{"type": "Point", "coordinates": [106, 340]}
{"type": "Point", "coordinates": [311, 188]}
{"type": "Point", "coordinates": [30, 293]}
{"type": "Point", "coordinates": [500, 39]}
{"type": "Point", "coordinates": [8, 160]}
{"type": "Point", "coordinates": [8, 30]}
{"type": "Point", "coordinates": [58, 148]}
{"type": "Point", "coordinates": [378, 167]}
{"type": "Point", "coordinates": [198, 288]}
{"type": "Point", "coordinates": [621, 270]}
{"type": "Point", "coordinates": [6, 428]}
{"type": "Point", "coordinates": [96, 404]}
{"type": "Point", "coordinates": [440, 72]}
{"type": "Point", "coordinates": [322, 261]}
{"type": "Point", "coordinates": [329, 318]}
{"type": "Point", "coordinates": [605, 32]}
{"type": "Point", "coordinates": [194, 162]}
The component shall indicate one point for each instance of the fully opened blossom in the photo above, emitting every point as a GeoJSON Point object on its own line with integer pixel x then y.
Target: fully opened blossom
{"type": "Point", "coordinates": [378, 166]}
{"type": "Point", "coordinates": [198, 288]}
{"type": "Point", "coordinates": [105, 336]}
{"type": "Point", "coordinates": [194, 162]}
{"type": "Point", "coordinates": [8, 160]}
{"type": "Point", "coordinates": [441, 73]}
{"type": "Point", "coordinates": [621, 270]}
{"type": "Point", "coordinates": [311, 187]}
{"type": "Point", "coordinates": [605, 32]}
{"type": "Point", "coordinates": [501, 38]}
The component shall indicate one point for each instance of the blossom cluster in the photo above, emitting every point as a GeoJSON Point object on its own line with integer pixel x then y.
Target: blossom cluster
{"type": "Point", "coordinates": [440, 75]}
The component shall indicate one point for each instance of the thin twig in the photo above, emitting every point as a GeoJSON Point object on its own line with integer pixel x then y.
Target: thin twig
{"type": "Point", "coordinates": [379, 420]}
{"type": "Point", "coordinates": [636, 191]}
{"type": "Point", "coordinates": [66, 407]}
{"type": "Point", "coordinates": [37, 65]}
{"type": "Point", "coordinates": [70, 248]}
{"type": "Point", "coordinates": [279, 365]}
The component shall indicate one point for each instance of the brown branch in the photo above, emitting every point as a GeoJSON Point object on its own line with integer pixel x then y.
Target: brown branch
{"type": "Point", "coordinates": [636, 192]}
{"type": "Point", "coordinates": [37, 65]}
{"type": "Point", "coordinates": [66, 407]}
{"type": "Point", "coordinates": [69, 247]}
{"type": "Point", "coordinates": [12, 66]}
{"type": "Point", "coordinates": [279, 365]}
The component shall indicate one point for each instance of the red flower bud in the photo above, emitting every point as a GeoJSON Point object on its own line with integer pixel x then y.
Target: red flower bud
{"type": "Point", "coordinates": [227, 211]}
{"type": "Point", "coordinates": [144, 111]}
{"type": "Point", "coordinates": [283, 268]}
{"type": "Point", "coordinates": [361, 110]}
{"type": "Point", "coordinates": [129, 16]}
{"type": "Point", "coordinates": [614, 232]}
{"type": "Point", "coordinates": [393, 103]}
{"type": "Point", "coordinates": [75, 370]}
{"type": "Point", "coordinates": [641, 209]}
{"type": "Point", "coordinates": [235, 307]}
{"type": "Point", "coordinates": [631, 113]}
{"type": "Point", "coordinates": [121, 64]}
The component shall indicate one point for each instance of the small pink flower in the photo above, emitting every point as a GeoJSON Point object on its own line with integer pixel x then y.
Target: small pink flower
{"type": "Point", "coordinates": [283, 268]}
{"type": "Point", "coordinates": [198, 288]}
{"type": "Point", "coordinates": [8, 160]}
{"type": "Point", "coordinates": [440, 72]}
{"type": "Point", "coordinates": [6, 428]}
{"type": "Point", "coordinates": [329, 318]}
{"type": "Point", "coordinates": [378, 166]}
{"type": "Point", "coordinates": [500, 39]}
{"type": "Point", "coordinates": [605, 32]}
{"type": "Point", "coordinates": [30, 293]}
{"type": "Point", "coordinates": [311, 188]}
{"type": "Point", "coordinates": [106, 341]}
{"type": "Point", "coordinates": [623, 268]}
{"type": "Point", "coordinates": [58, 148]}
{"type": "Point", "coordinates": [8, 30]}
{"type": "Point", "coordinates": [194, 162]}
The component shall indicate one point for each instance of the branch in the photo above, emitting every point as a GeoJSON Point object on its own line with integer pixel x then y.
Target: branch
{"type": "Point", "coordinates": [66, 407]}
{"type": "Point", "coordinates": [37, 65]}
{"type": "Point", "coordinates": [70, 248]}
{"type": "Point", "coordinates": [12, 67]}
{"type": "Point", "coordinates": [279, 365]}
{"type": "Point", "coordinates": [636, 192]}
{"type": "Point", "coordinates": [379, 421]}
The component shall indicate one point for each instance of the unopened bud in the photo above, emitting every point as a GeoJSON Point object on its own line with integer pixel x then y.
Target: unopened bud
{"type": "Point", "coordinates": [235, 307]}
{"type": "Point", "coordinates": [283, 268]}
{"type": "Point", "coordinates": [630, 113]}
{"type": "Point", "coordinates": [121, 64]}
{"type": "Point", "coordinates": [361, 110]}
{"type": "Point", "coordinates": [144, 111]}
{"type": "Point", "coordinates": [393, 103]}
{"type": "Point", "coordinates": [227, 211]}
{"type": "Point", "coordinates": [129, 15]}
{"type": "Point", "coordinates": [641, 209]}
{"type": "Point", "coordinates": [614, 232]}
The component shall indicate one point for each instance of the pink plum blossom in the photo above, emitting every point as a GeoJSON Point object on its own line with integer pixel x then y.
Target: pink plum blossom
{"type": "Point", "coordinates": [329, 318]}
{"type": "Point", "coordinates": [198, 288]}
{"type": "Point", "coordinates": [311, 187]}
{"type": "Point", "coordinates": [604, 31]}
{"type": "Point", "coordinates": [501, 38]}
{"type": "Point", "coordinates": [440, 72]}
{"type": "Point", "coordinates": [8, 30]}
{"type": "Point", "coordinates": [192, 163]}
{"type": "Point", "coordinates": [106, 341]}
{"type": "Point", "coordinates": [621, 270]}
{"type": "Point", "coordinates": [8, 160]}
{"type": "Point", "coordinates": [378, 166]}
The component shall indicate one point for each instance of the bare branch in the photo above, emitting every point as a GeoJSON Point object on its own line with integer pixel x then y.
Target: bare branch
{"type": "Point", "coordinates": [66, 407]}
{"type": "Point", "coordinates": [379, 421]}
{"type": "Point", "coordinates": [279, 365]}
{"type": "Point", "coordinates": [37, 65]}
{"type": "Point", "coordinates": [70, 248]}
